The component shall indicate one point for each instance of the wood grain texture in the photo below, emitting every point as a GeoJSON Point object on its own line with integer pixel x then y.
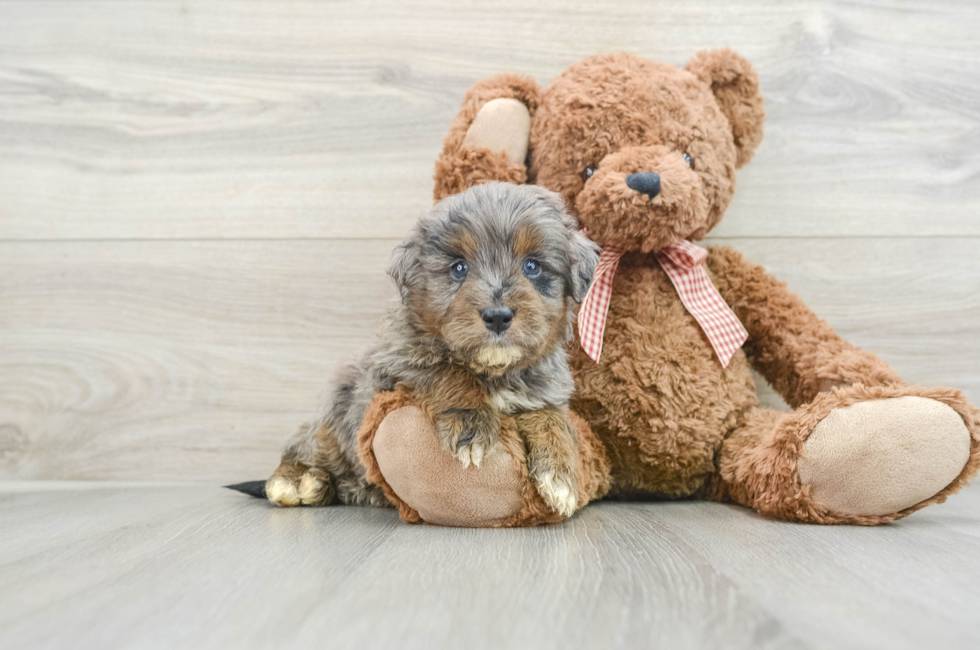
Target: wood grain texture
{"type": "Point", "coordinates": [125, 566]}
{"type": "Point", "coordinates": [162, 360]}
{"type": "Point", "coordinates": [174, 359]}
{"type": "Point", "coordinates": [298, 118]}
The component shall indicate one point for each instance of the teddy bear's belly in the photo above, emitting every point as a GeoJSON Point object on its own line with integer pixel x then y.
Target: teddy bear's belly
{"type": "Point", "coordinates": [659, 399]}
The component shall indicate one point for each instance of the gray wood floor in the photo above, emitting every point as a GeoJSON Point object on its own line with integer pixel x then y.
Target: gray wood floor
{"type": "Point", "coordinates": [122, 565]}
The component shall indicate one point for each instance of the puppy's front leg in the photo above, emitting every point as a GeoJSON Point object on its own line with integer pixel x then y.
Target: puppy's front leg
{"type": "Point", "coordinates": [468, 434]}
{"type": "Point", "coordinates": [468, 425]}
{"type": "Point", "coordinates": [552, 446]}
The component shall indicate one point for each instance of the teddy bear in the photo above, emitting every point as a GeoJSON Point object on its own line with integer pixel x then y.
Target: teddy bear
{"type": "Point", "coordinates": [645, 155]}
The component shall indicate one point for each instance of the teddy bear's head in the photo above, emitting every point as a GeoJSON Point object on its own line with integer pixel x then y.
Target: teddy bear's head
{"type": "Point", "coordinates": [645, 153]}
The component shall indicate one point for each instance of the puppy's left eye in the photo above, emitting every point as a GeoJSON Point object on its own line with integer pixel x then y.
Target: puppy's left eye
{"type": "Point", "coordinates": [532, 268]}
{"type": "Point", "coordinates": [458, 270]}
{"type": "Point", "coordinates": [689, 160]}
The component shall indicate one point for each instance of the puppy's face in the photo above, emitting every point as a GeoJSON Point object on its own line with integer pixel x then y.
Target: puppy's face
{"type": "Point", "coordinates": [493, 273]}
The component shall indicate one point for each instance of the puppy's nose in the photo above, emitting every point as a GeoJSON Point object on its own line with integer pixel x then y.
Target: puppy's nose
{"type": "Point", "coordinates": [497, 319]}
{"type": "Point", "coordinates": [645, 183]}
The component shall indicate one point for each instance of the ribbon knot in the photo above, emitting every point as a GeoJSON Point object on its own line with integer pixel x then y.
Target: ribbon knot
{"type": "Point", "coordinates": [683, 263]}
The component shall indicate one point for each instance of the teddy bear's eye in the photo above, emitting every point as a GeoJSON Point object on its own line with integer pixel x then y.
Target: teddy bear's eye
{"type": "Point", "coordinates": [458, 270]}
{"type": "Point", "coordinates": [689, 160]}
{"type": "Point", "coordinates": [587, 174]}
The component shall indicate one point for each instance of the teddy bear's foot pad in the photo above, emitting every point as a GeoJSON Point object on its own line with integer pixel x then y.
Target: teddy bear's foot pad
{"type": "Point", "coordinates": [503, 124]}
{"type": "Point", "coordinates": [882, 456]}
{"type": "Point", "coordinates": [434, 483]}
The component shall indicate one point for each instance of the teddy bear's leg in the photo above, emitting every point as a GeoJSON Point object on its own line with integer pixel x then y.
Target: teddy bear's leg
{"type": "Point", "coordinates": [488, 140]}
{"type": "Point", "coordinates": [502, 124]}
{"type": "Point", "coordinates": [857, 455]}
{"type": "Point", "coordinates": [436, 485]}
{"type": "Point", "coordinates": [400, 449]}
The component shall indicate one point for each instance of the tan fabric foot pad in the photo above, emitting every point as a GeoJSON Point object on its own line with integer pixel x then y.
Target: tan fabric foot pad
{"type": "Point", "coordinates": [882, 456]}
{"type": "Point", "coordinates": [503, 124]}
{"type": "Point", "coordinates": [435, 483]}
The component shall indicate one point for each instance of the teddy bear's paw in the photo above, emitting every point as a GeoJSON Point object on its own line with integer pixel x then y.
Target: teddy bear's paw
{"type": "Point", "coordinates": [558, 490]}
{"type": "Point", "coordinates": [882, 456]}
{"type": "Point", "coordinates": [503, 124]}
{"type": "Point", "coordinates": [468, 434]}
{"type": "Point", "coordinates": [288, 489]}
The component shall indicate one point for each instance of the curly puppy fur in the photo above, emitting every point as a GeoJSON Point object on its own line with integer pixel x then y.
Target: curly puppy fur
{"type": "Point", "coordinates": [488, 281]}
{"type": "Point", "coordinates": [676, 423]}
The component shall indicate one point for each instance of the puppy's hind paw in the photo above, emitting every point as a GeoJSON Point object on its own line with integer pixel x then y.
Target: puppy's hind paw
{"type": "Point", "coordinates": [314, 488]}
{"type": "Point", "coordinates": [281, 491]}
{"type": "Point", "coordinates": [311, 488]}
{"type": "Point", "coordinates": [559, 492]}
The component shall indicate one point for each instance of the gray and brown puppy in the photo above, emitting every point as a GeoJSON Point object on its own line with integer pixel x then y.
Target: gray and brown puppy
{"type": "Point", "coordinates": [487, 281]}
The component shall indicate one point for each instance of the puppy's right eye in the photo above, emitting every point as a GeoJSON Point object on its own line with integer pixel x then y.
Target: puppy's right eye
{"type": "Point", "coordinates": [587, 174]}
{"type": "Point", "coordinates": [458, 270]}
{"type": "Point", "coordinates": [532, 268]}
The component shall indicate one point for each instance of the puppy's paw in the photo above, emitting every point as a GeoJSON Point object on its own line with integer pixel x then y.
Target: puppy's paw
{"type": "Point", "coordinates": [552, 457]}
{"type": "Point", "coordinates": [558, 489]}
{"type": "Point", "coordinates": [468, 434]}
{"type": "Point", "coordinates": [290, 488]}
{"type": "Point", "coordinates": [315, 488]}
{"type": "Point", "coordinates": [281, 491]}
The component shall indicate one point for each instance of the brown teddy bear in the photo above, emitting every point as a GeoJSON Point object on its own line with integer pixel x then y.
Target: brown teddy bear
{"type": "Point", "coordinates": [645, 155]}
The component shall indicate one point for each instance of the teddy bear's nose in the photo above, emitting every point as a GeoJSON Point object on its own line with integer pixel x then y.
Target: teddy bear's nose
{"type": "Point", "coordinates": [645, 183]}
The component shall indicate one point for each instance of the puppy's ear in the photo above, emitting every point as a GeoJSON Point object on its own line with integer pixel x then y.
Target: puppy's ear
{"type": "Point", "coordinates": [583, 253]}
{"type": "Point", "coordinates": [735, 85]}
{"type": "Point", "coordinates": [405, 266]}
{"type": "Point", "coordinates": [585, 257]}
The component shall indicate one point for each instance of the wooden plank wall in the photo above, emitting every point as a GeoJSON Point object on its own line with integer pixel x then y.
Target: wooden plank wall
{"type": "Point", "coordinates": [198, 199]}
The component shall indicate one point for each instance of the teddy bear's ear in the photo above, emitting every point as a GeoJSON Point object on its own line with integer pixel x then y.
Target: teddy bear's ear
{"type": "Point", "coordinates": [735, 85]}
{"type": "Point", "coordinates": [489, 138]}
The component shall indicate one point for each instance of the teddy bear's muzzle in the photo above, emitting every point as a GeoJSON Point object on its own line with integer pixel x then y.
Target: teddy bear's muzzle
{"type": "Point", "coordinates": [643, 199]}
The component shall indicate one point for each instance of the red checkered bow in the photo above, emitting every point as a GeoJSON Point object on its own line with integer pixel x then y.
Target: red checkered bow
{"type": "Point", "coordinates": [683, 263]}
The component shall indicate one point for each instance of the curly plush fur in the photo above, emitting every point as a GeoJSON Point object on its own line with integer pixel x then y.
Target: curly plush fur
{"type": "Point", "coordinates": [673, 421]}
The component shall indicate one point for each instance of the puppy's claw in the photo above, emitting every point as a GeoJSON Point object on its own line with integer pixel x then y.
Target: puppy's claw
{"type": "Point", "coordinates": [468, 434]}
{"type": "Point", "coordinates": [476, 453]}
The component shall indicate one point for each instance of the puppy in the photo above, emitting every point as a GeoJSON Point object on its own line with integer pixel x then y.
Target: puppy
{"type": "Point", "coordinates": [487, 281]}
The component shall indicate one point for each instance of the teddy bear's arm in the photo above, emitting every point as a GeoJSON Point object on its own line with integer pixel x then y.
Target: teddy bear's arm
{"type": "Point", "coordinates": [798, 353]}
{"type": "Point", "coordinates": [488, 140]}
